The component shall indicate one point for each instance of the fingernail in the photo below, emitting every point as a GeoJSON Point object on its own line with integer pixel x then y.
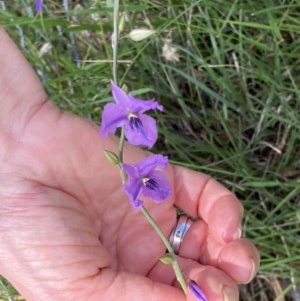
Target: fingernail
{"type": "Point", "coordinates": [231, 236]}
{"type": "Point", "coordinates": [246, 272]}
{"type": "Point", "coordinates": [237, 234]}
{"type": "Point", "coordinates": [253, 270]}
{"type": "Point", "coordinates": [228, 293]}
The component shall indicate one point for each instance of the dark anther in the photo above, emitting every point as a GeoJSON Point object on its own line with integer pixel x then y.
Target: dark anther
{"type": "Point", "coordinates": [152, 184]}
{"type": "Point", "coordinates": [135, 123]}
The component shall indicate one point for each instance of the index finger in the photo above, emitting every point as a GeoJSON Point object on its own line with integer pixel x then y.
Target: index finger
{"type": "Point", "coordinates": [201, 196]}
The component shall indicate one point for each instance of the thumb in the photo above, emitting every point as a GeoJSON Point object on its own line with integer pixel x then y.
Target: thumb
{"type": "Point", "coordinates": [18, 81]}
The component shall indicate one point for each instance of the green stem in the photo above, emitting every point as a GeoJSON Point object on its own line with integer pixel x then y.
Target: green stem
{"type": "Point", "coordinates": [121, 145]}
{"type": "Point", "coordinates": [151, 221]}
{"type": "Point", "coordinates": [175, 264]}
{"type": "Point", "coordinates": [115, 40]}
{"type": "Point", "coordinates": [147, 215]}
{"type": "Point", "coordinates": [120, 154]}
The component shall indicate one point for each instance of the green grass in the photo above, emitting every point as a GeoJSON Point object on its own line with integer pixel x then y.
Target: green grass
{"type": "Point", "coordinates": [232, 102]}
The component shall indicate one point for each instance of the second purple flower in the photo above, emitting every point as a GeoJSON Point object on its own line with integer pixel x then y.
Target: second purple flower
{"type": "Point", "coordinates": [145, 180]}
{"type": "Point", "coordinates": [128, 112]}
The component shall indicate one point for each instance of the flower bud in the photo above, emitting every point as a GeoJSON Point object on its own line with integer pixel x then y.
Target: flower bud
{"type": "Point", "coordinates": [122, 23]}
{"type": "Point", "coordinates": [46, 48]}
{"type": "Point", "coordinates": [140, 34]}
{"type": "Point", "coordinates": [111, 157]}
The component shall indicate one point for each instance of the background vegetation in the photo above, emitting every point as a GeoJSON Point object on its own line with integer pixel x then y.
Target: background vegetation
{"type": "Point", "coordinates": [230, 88]}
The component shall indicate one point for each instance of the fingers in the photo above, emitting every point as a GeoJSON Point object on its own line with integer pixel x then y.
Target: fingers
{"type": "Point", "coordinates": [215, 284]}
{"type": "Point", "coordinates": [224, 215]}
{"type": "Point", "coordinates": [240, 260]}
{"type": "Point", "coordinates": [215, 238]}
{"type": "Point", "coordinates": [199, 195]}
{"type": "Point", "coordinates": [194, 240]}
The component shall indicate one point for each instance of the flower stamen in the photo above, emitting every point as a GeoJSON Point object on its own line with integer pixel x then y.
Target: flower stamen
{"type": "Point", "coordinates": [150, 183]}
{"type": "Point", "coordinates": [129, 112]}
{"type": "Point", "coordinates": [135, 122]}
{"type": "Point", "coordinates": [145, 180]}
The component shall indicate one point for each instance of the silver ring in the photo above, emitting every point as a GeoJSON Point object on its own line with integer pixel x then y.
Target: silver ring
{"type": "Point", "coordinates": [179, 231]}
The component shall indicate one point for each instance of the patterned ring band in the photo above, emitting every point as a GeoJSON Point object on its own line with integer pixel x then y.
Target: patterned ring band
{"type": "Point", "coordinates": [179, 231]}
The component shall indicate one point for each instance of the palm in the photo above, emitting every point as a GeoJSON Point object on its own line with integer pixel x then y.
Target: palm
{"type": "Point", "coordinates": [77, 197]}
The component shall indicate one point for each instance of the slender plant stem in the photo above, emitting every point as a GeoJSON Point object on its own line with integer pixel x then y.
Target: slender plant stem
{"type": "Point", "coordinates": [151, 221]}
{"type": "Point", "coordinates": [147, 215]}
{"type": "Point", "coordinates": [121, 145]}
{"type": "Point", "coordinates": [175, 264]}
{"type": "Point", "coordinates": [115, 40]}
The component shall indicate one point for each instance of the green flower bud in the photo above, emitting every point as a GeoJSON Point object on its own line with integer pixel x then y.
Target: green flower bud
{"type": "Point", "coordinates": [112, 157]}
{"type": "Point", "coordinates": [122, 23]}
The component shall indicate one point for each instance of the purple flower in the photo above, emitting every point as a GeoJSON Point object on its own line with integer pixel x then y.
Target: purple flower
{"type": "Point", "coordinates": [38, 5]}
{"type": "Point", "coordinates": [128, 111]}
{"type": "Point", "coordinates": [197, 291]}
{"type": "Point", "coordinates": [145, 180]}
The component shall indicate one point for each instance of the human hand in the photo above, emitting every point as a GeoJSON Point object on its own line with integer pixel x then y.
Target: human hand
{"type": "Point", "coordinates": [67, 230]}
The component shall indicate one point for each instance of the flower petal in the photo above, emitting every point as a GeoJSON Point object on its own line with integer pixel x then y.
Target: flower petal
{"type": "Point", "coordinates": [141, 106]}
{"type": "Point", "coordinates": [148, 164]}
{"type": "Point", "coordinates": [145, 135]}
{"type": "Point", "coordinates": [120, 97]}
{"type": "Point", "coordinates": [137, 204]}
{"type": "Point", "coordinates": [113, 116]}
{"type": "Point", "coordinates": [197, 291]}
{"type": "Point", "coordinates": [38, 6]}
{"type": "Point", "coordinates": [161, 190]}
{"type": "Point", "coordinates": [131, 171]}
{"type": "Point", "coordinates": [144, 180]}
{"type": "Point", "coordinates": [133, 188]}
